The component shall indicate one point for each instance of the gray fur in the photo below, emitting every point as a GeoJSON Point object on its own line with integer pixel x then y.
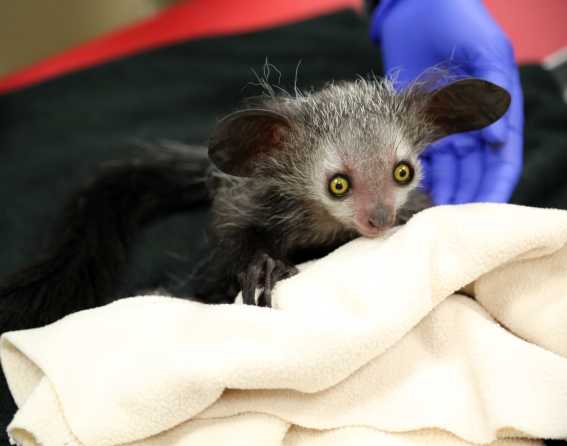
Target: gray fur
{"type": "Point", "coordinates": [364, 121]}
{"type": "Point", "coordinates": [361, 129]}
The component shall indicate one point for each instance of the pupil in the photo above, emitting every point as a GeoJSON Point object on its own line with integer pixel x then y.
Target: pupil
{"type": "Point", "coordinates": [339, 185]}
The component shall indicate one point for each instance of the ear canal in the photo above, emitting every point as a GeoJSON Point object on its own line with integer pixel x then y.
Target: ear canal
{"type": "Point", "coordinates": [468, 104]}
{"type": "Point", "coordinates": [244, 137]}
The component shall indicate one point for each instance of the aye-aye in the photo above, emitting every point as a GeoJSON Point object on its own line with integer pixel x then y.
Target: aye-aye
{"type": "Point", "coordinates": [290, 177]}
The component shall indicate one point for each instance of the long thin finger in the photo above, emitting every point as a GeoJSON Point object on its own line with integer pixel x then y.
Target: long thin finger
{"type": "Point", "coordinates": [249, 284]}
{"type": "Point", "coordinates": [265, 299]}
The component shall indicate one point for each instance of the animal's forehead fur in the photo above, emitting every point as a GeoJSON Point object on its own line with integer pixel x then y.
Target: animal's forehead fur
{"type": "Point", "coordinates": [332, 105]}
{"type": "Point", "coordinates": [364, 104]}
{"type": "Point", "coordinates": [365, 121]}
{"type": "Point", "coordinates": [364, 108]}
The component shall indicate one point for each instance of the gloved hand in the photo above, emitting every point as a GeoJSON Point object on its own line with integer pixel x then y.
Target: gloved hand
{"type": "Point", "coordinates": [418, 34]}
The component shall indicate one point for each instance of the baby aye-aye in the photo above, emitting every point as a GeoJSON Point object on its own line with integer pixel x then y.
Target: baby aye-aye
{"type": "Point", "coordinates": [292, 177]}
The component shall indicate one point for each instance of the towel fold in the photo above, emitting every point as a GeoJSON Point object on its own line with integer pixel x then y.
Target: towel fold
{"type": "Point", "coordinates": [378, 343]}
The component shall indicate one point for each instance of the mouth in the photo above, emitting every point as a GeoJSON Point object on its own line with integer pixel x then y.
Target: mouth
{"type": "Point", "coordinates": [371, 232]}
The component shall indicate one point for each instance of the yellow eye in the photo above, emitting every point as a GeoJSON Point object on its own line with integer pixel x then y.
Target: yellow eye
{"type": "Point", "coordinates": [403, 173]}
{"type": "Point", "coordinates": [339, 185]}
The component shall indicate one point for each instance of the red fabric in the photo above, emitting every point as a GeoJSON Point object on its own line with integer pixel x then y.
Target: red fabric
{"type": "Point", "coordinates": [536, 27]}
{"type": "Point", "coordinates": [187, 20]}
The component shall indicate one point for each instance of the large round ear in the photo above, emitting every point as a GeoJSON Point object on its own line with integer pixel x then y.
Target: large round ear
{"type": "Point", "coordinates": [468, 104]}
{"type": "Point", "coordinates": [245, 137]}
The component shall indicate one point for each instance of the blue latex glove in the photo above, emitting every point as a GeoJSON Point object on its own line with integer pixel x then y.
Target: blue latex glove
{"type": "Point", "coordinates": [418, 34]}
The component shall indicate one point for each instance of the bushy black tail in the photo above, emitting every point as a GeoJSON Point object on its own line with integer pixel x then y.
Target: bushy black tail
{"type": "Point", "coordinates": [89, 252]}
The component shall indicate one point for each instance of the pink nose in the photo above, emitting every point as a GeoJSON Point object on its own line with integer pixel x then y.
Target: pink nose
{"type": "Point", "coordinates": [375, 222]}
{"type": "Point", "coordinates": [381, 217]}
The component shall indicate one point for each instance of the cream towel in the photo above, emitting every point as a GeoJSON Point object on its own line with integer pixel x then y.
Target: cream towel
{"type": "Point", "coordinates": [367, 346]}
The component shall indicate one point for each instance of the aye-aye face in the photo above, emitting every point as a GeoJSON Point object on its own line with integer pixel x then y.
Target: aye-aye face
{"type": "Point", "coordinates": [351, 148]}
{"type": "Point", "coordinates": [363, 179]}
{"type": "Point", "coordinates": [370, 136]}
{"type": "Point", "coordinates": [364, 155]}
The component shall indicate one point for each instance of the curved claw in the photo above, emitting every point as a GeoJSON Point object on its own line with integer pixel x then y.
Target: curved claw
{"type": "Point", "coordinates": [263, 272]}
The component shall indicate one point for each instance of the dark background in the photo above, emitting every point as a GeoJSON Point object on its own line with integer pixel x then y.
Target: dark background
{"type": "Point", "coordinates": [53, 136]}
